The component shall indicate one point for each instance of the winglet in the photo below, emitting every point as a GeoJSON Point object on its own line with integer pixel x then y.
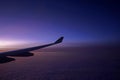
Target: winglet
{"type": "Point", "coordinates": [59, 40]}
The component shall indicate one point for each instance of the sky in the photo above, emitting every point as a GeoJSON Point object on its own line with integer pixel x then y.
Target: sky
{"type": "Point", "coordinates": [43, 21]}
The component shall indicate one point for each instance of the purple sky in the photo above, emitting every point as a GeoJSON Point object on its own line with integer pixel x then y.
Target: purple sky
{"type": "Point", "coordinates": [46, 20]}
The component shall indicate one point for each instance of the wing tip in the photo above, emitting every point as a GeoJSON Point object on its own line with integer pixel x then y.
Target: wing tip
{"type": "Point", "coordinates": [59, 40]}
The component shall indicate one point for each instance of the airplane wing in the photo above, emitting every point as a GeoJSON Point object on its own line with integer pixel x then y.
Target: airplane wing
{"type": "Point", "coordinates": [25, 52]}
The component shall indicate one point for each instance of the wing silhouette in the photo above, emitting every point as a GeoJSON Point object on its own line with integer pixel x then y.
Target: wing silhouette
{"type": "Point", "coordinates": [25, 52]}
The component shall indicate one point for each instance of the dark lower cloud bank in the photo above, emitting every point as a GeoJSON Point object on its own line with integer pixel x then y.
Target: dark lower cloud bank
{"type": "Point", "coordinates": [66, 63]}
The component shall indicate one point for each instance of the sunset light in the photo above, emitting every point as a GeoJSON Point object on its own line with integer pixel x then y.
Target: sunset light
{"type": "Point", "coordinates": [6, 44]}
{"type": "Point", "coordinates": [59, 40]}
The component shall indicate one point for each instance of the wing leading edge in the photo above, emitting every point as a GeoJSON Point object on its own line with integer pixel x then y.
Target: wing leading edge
{"type": "Point", "coordinates": [27, 50]}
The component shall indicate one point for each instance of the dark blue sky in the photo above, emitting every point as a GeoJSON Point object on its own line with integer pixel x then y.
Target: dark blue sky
{"type": "Point", "coordinates": [45, 20]}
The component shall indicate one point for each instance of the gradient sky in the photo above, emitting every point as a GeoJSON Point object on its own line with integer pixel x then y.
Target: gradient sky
{"type": "Point", "coordinates": [45, 20]}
